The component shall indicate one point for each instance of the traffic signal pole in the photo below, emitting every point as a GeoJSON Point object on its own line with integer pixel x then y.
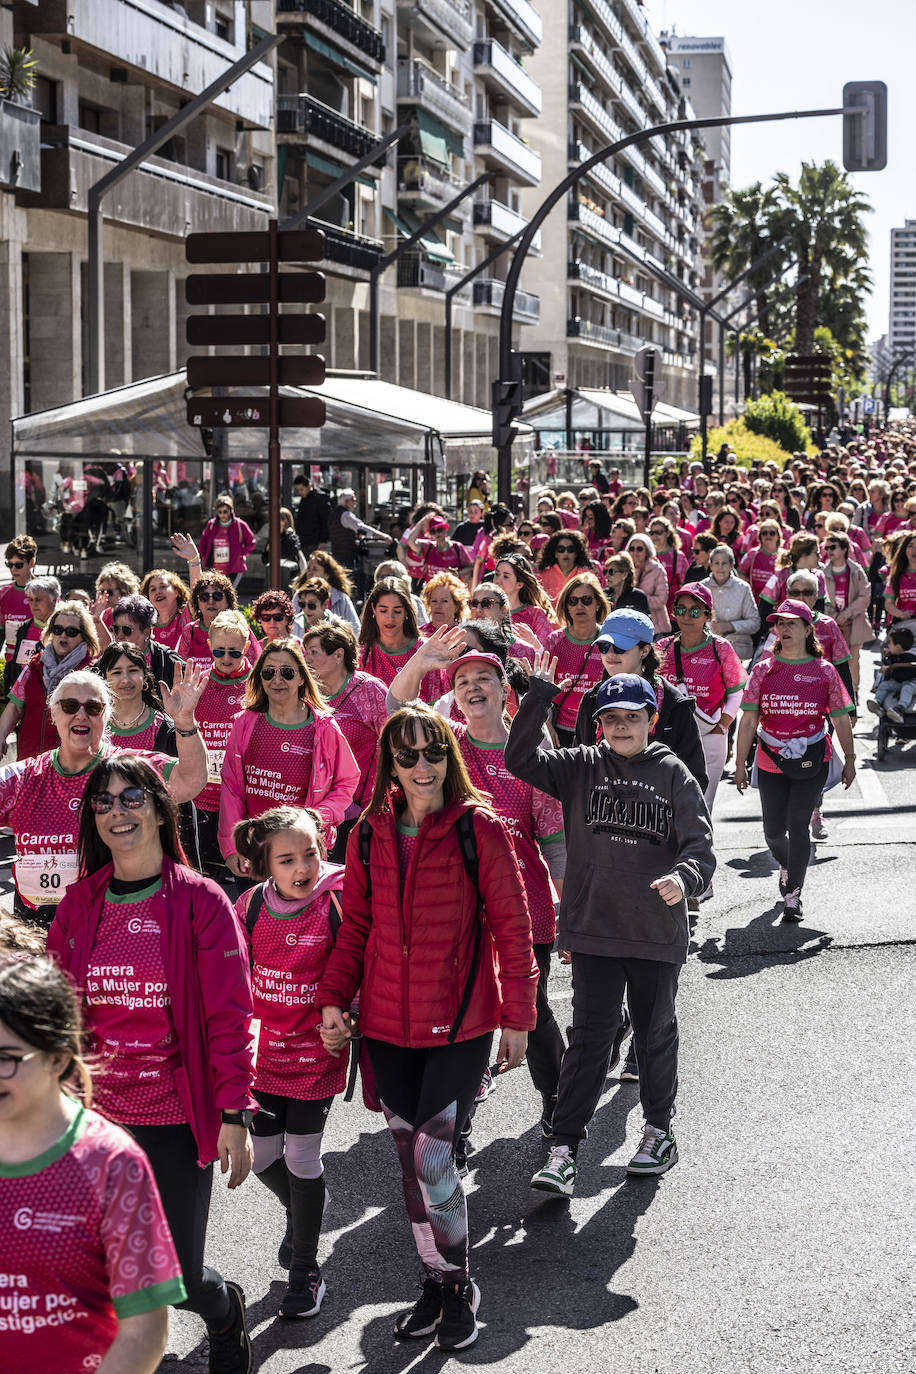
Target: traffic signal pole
{"type": "Point", "coordinates": [502, 425]}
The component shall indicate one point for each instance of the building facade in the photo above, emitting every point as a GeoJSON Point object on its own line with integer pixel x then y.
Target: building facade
{"type": "Point", "coordinates": [901, 334]}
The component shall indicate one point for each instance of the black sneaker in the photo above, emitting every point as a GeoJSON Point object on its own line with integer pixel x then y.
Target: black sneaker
{"type": "Point", "coordinates": [230, 1350]}
{"type": "Point", "coordinates": [285, 1252]}
{"type": "Point", "coordinates": [458, 1328]}
{"type": "Point", "coordinates": [304, 1296]}
{"type": "Point", "coordinates": [424, 1316]}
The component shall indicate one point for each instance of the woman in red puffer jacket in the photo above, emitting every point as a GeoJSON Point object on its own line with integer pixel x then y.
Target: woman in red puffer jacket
{"type": "Point", "coordinates": [426, 960]}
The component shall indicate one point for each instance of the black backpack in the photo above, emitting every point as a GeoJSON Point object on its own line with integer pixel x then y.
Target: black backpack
{"type": "Point", "coordinates": [467, 841]}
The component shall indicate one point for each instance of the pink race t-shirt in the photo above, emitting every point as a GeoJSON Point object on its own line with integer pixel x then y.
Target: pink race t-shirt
{"type": "Point", "coordinates": [222, 700]}
{"type": "Point", "coordinates": [711, 679]}
{"type": "Point", "coordinates": [128, 1014]}
{"type": "Point", "coordinates": [581, 664]}
{"type": "Point", "coordinates": [278, 764]}
{"type": "Point", "coordinates": [85, 1243]}
{"type": "Point", "coordinates": [14, 612]}
{"type": "Point", "coordinates": [794, 700]}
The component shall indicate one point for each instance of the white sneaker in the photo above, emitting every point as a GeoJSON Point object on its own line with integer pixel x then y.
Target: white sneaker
{"type": "Point", "coordinates": [657, 1152]}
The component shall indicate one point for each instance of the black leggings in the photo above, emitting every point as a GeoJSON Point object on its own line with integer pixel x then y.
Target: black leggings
{"type": "Point", "coordinates": [185, 1191]}
{"type": "Point", "coordinates": [787, 806]}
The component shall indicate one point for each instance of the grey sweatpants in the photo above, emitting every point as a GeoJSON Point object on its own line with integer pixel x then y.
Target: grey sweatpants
{"type": "Point", "coordinates": [598, 987]}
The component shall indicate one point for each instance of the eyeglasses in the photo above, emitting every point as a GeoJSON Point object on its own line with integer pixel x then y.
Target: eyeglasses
{"type": "Point", "coordinates": [409, 758]}
{"type": "Point", "coordinates": [15, 567]}
{"type": "Point", "coordinates": [71, 706]}
{"type": "Point", "coordinates": [565, 548]}
{"type": "Point", "coordinates": [211, 596]}
{"type": "Point", "coordinates": [9, 1063]}
{"type": "Point", "coordinates": [267, 619]}
{"type": "Point", "coordinates": [586, 599]}
{"type": "Point", "coordinates": [693, 611]}
{"type": "Point", "coordinates": [66, 631]}
{"type": "Point", "coordinates": [483, 604]}
{"type": "Point", "coordinates": [287, 674]}
{"type": "Point", "coordinates": [607, 646]}
{"type": "Point", "coordinates": [128, 799]}
{"type": "Point", "coordinates": [233, 653]}
{"type": "Point", "coordinates": [123, 631]}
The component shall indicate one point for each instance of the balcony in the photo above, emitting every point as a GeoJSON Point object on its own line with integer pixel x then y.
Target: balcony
{"type": "Point", "coordinates": [495, 221]}
{"type": "Point", "coordinates": [602, 335]}
{"type": "Point", "coordinates": [524, 19]}
{"type": "Point", "coordinates": [337, 20]}
{"type": "Point", "coordinates": [425, 185]}
{"type": "Point", "coordinates": [20, 147]}
{"type": "Point", "coordinates": [505, 151]}
{"type": "Point", "coordinates": [160, 45]}
{"type": "Point", "coordinates": [581, 40]}
{"type": "Point", "coordinates": [502, 73]}
{"type": "Point", "coordinates": [416, 271]}
{"type": "Point", "coordinates": [420, 84]}
{"type": "Point", "coordinates": [347, 249]}
{"type": "Point", "coordinates": [593, 110]}
{"type": "Point", "coordinates": [441, 24]}
{"type": "Point", "coordinates": [301, 119]}
{"type": "Point", "coordinates": [488, 296]}
{"type": "Point", "coordinates": [162, 197]}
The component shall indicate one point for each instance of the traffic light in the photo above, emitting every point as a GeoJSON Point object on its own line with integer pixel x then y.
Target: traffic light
{"type": "Point", "coordinates": [865, 133]}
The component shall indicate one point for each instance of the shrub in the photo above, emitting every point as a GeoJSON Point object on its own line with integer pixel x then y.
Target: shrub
{"type": "Point", "coordinates": [776, 417]}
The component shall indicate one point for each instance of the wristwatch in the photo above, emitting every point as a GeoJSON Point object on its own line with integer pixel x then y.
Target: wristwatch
{"type": "Point", "coordinates": [243, 1118]}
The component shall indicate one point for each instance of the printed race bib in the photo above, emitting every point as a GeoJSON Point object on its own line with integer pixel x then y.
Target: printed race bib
{"type": "Point", "coordinates": [42, 879]}
{"type": "Point", "coordinates": [220, 553]}
{"type": "Point", "coordinates": [215, 764]}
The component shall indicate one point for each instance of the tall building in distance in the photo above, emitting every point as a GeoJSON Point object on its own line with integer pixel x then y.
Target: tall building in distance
{"type": "Point", "coordinates": [901, 334]}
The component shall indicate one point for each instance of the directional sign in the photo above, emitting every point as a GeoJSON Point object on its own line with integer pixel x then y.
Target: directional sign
{"type": "Point", "coordinates": [204, 331]}
{"type": "Point", "coordinates": [252, 412]}
{"type": "Point", "coordinates": [292, 370]}
{"type": "Point", "coordinates": [293, 245]}
{"type": "Point", "coordinates": [253, 288]}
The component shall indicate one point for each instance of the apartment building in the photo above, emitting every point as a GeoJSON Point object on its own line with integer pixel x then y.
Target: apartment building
{"type": "Point", "coordinates": [901, 335]}
{"type": "Point", "coordinates": [110, 73]}
{"type": "Point", "coordinates": [452, 75]}
{"type": "Point", "coordinates": [604, 75]}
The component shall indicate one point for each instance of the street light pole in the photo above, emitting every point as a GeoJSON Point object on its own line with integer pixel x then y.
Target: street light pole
{"type": "Point", "coordinates": [503, 433]}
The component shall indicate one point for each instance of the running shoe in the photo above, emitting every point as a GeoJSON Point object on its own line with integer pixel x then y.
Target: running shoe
{"type": "Point", "coordinates": [304, 1296]}
{"type": "Point", "coordinates": [783, 881]}
{"type": "Point", "coordinates": [230, 1350]}
{"type": "Point", "coordinates": [818, 828]}
{"type": "Point", "coordinates": [423, 1318]}
{"type": "Point", "coordinates": [558, 1174]}
{"type": "Point", "coordinates": [656, 1154]}
{"type": "Point", "coordinates": [487, 1085]}
{"type": "Point", "coordinates": [458, 1328]}
{"type": "Point", "coordinates": [630, 1071]}
{"type": "Point", "coordinates": [792, 908]}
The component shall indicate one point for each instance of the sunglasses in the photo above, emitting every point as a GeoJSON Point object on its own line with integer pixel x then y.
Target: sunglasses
{"type": "Point", "coordinates": [71, 705]}
{"type": "Point", "coordinates": [66, 631]}
{"type": "Point", "coordinates": [693, 611]}
{"type": "Point", "coordinates": [566, 548]}
{"type": "Point", "coordinates": [287, 674]}
{"type": "Point", "coordinates": [409, 758]}
{"type": "Point", "coordinates": [268, 619]}
{"type": "Point", "coordinates": [586, 599]}
{"type": "Point", "coordinates": [483, 604]}
{"type": "Point", "coordinates": [607, 646]}
{"type": "Point", "coordinates": [129, 799]}
{"type": "Point", "coordinates": [211, 596]}
{"type": "Point", "coordinates": [221, 653]}
{"type": "Point", "coordinates": [123, 631]}
{"type": "Point", "coordinates": [15, 566]}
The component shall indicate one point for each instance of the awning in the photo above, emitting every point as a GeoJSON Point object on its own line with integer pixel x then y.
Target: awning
{"type": "Point", "coordinates": [433, 139]}
{"type": "Point", "coordinates": [333, 169]}
{"type": "Point", "coordinates": [340, 59]}
{"type": "Point", "coordinates": [432, 246]}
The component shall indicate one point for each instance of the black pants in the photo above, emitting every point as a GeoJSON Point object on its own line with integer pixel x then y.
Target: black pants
{"type": "Point", "coordinates": [598, 987]}
{"type": "Point", "coordinates": [545, 1042]}
{"type": "Point", "coordinates": [185, 1191]}
{"type": "Point", "coordinates": [787, 806]}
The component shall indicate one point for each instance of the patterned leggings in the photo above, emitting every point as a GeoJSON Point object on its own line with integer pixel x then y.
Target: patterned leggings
{"type": "Point", "coordinates": [426, 1094]}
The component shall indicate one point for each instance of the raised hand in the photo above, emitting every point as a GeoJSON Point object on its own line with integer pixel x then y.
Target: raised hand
{"type": "Point", "coordinates": [180, 701]}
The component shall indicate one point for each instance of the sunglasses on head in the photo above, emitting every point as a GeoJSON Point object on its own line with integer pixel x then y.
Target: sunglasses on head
{"type": "Point", "coordinates": [408, 758]}
{"type": "Point", "coordinates": [586, 599]}
{"type": "Point", "coordinates": [483, 603]}
{"type": "Point", "coordinates": [693, 611]}
{"type": "Point", "coordinates": [129, 799]}
{"type": "Point", "coordinates": [211, 596]}
{"type": "Point", "coordinates": [268, 618]}
{"type": "Point", "coordinates": [66, 631]}
{"type": "Point", "coordinates": [71, 705]}
{"type": "Point", "coordinates": [287, 673]}
{"type": "Point", "coordinates": [123, 631]}
{"type": "Point", "coordinates": [14, 566]}
{"type": "Point", "coordinates": [221, 653]}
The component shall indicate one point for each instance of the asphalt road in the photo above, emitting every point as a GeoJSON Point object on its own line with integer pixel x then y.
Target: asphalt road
{"type": "Point", "coordinates": [782, 1240]}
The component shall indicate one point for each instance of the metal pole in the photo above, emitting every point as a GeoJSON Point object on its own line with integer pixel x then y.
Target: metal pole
{"type": "Point", "coordinates": [96, 285]}
{"type": "Point", "coordinates": [273, 442]}
{"type": "Point", "coordinates": [375, 341]}
{"type": "Point", "coordinates": [504, 450]}
{"type": "Point", "coordinates": [346, 177]}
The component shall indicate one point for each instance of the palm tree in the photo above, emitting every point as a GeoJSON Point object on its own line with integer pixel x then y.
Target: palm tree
{"type": "Point", "coordinates": [743, 227]}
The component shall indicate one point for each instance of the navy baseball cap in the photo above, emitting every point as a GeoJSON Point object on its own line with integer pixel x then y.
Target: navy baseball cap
{"type": "Point", "coordinates": [625, 692]}
{"type": "Point", "coordinates": [626, 629]}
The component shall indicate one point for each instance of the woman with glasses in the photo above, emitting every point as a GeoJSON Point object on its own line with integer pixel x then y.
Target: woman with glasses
{"type": "Point", "coordinates": [107, 1269]}
{"type": "Point", "coordinates": [848, 598]}
{"type": "Point", "coordinates": [528, 603]}
{"type": "Point", "coordinates": [581, 608]}
{"type": "Point", "coordinates": [414, 943]}
{"type": "Point", "coordinates": [274, 613]}
{"type": "Point", "coordinates": [69, 642]}
{"type": "Point", "coordinates": [563, 555]}
{"type": "Point", "coordinates": [284, 749]}
{"type": "Point", "coordinates": [161, 965]}
{"type": "Point", "coordinates": [39, 797]}
{"type": "Point", "coordinates": [211, 594]}
{"type": "Point", "coordinates": [651, 580]}
{"type": "Point", "coordinates": [226, 541]}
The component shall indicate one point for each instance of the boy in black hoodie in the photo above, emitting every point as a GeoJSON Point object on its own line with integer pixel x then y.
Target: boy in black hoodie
{"type": "Point", "coordinates": [639, 843]}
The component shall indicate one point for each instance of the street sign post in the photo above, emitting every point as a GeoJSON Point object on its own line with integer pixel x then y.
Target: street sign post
{"type": "Point", "coordinates": [270, 329]}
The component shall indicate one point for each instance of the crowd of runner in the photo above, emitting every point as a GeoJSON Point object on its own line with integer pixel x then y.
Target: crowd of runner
{"type": "Point", "coordinates": [265, 851]}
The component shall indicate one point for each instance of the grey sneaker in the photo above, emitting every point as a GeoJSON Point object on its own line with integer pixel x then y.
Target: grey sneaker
{"type": "Point", "coordinates": [558, 1174]}
{"type": "Point", "coordinates": [657, 1152]}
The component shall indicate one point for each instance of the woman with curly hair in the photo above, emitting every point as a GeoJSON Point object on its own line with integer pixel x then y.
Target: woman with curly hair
{"type": "Point", "coordinates": [563, 555]}
{"type": "Point", "coordinates": [211, 593]}
{"type": "Point", "coordinates": [321, 564]}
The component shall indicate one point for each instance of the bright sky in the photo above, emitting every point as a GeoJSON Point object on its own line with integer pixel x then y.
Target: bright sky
{"type": "Point", "coordinates": [797, 54]}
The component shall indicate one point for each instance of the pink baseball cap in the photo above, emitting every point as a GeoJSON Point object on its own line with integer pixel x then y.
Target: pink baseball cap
{"type": "Point", "coordinates": [792, 610]}
{"type": "Point", "coordinates": [476, 656]}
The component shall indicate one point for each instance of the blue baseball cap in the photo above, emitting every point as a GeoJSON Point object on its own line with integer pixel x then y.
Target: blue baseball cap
{"type": "Point", "coordinates": [625, 692]}
{"type": "Point", "coordinates": [626, 629]}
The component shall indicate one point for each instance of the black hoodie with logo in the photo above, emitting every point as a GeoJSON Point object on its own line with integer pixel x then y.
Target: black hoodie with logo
{"type": "Point", "coordinates": [627, 822]}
